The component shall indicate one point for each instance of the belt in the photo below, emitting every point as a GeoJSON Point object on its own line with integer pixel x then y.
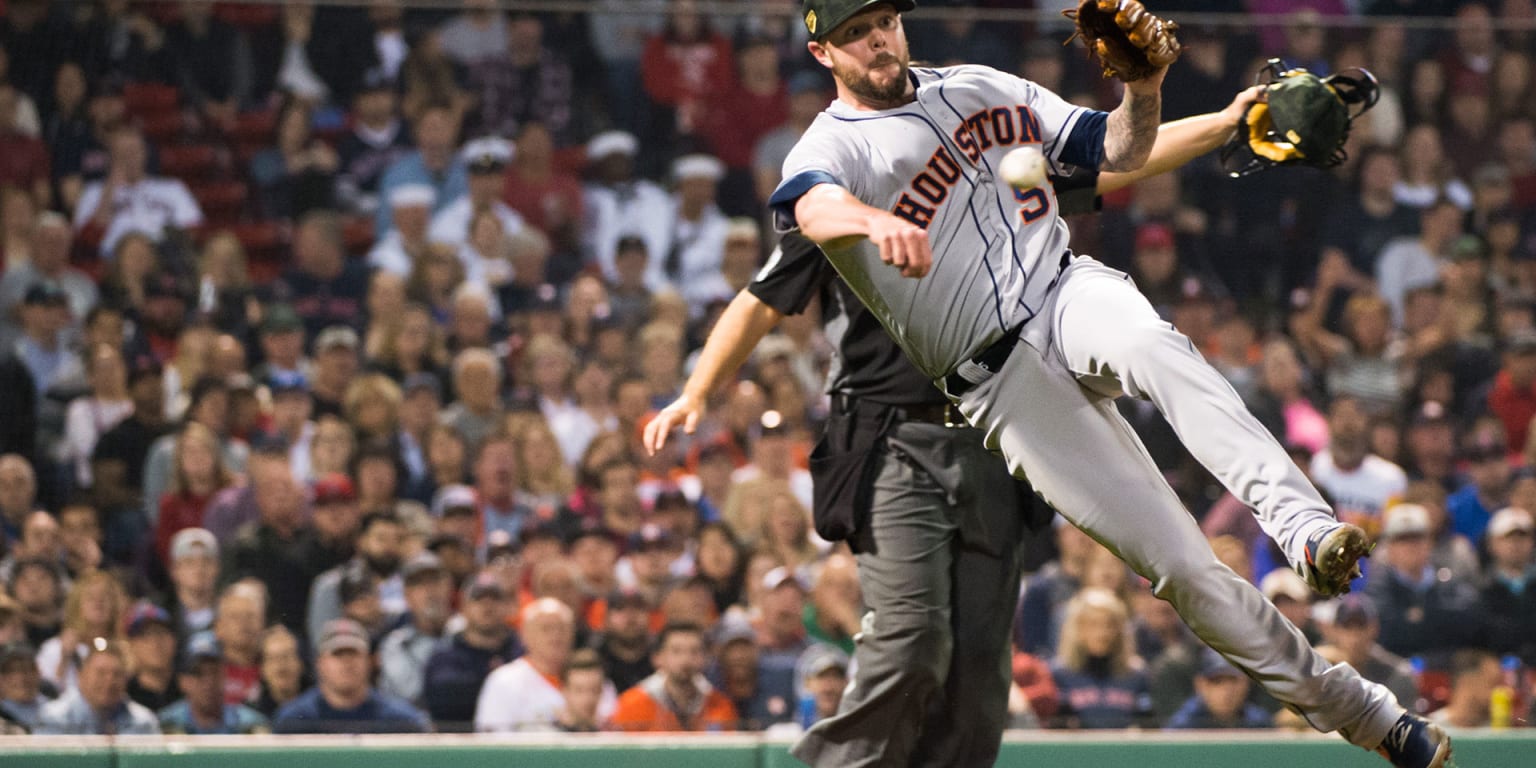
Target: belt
{"type": "Point", "coordinates": [981, 367]}
{"type": "Point", "coordinates": [942, 414]}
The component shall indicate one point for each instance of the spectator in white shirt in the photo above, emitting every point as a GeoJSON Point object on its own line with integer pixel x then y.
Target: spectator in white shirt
{"type": "Point", "coordinates": [411, 209]}
{"type": "Point", "coordinates": [486, 161]}
{"type": "Point", "coordinates": [129, 200]}
{"type": "Point", "coordinates": [698, 234]}
{"type": "Point", "coordinates": [526, 694]}
{"type": "Point", "coordinates": [618, 204]}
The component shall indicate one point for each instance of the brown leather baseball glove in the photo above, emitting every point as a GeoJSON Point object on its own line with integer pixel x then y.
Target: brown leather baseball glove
{"type": "Point", "coordinates": [1128, 40]}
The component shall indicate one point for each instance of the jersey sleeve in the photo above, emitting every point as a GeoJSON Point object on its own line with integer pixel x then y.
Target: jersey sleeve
{"type": "Point", "coordinates": [793, 275]}
{"type": "Point", "coordinates": [823, 155]}
{"type": "Point", "coordinates": [1078, 192]}
{"type": "Point", "coordinates": [1070, 135]}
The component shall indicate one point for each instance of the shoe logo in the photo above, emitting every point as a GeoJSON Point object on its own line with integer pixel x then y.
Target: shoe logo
{"type": "Point", "coordinates": [1397, 738]}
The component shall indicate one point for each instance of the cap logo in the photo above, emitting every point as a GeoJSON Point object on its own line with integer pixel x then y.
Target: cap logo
{"type": "Point", "coordinates": [810, 22]}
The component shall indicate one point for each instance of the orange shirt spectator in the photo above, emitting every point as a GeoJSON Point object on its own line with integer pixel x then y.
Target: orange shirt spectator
{"type": "Point", "coordinates": [676, 697]}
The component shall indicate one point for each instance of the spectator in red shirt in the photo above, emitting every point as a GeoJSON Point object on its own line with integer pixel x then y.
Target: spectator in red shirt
{"type": "Point", "coordinates": [1513, 396]}
{"type": "Point", "coordinates": [763, 95]}
{"type": "Point", "coordinates": [23, 158]}
{"type": "Point", "coordinates": [546, 197]}
{"type": "Point", "coordinates": [684, 68]}
{"type": "Point", "coordinates": [198, 475]}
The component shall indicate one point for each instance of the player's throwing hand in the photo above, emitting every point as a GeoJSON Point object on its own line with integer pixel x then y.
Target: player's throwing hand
{"type": "Point", "coordinates": [902, 244]}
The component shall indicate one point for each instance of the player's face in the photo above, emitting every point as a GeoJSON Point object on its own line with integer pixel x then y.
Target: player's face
{"type": "Point", "coordinates": [868, 55]}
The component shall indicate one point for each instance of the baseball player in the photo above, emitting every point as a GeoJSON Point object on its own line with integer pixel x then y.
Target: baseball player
{"type": "Point", "coordinates": [934, 518]}
{"type": "Point", "coordinates": [1032, 343]}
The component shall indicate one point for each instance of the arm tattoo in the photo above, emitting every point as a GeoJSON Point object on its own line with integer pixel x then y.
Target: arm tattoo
{"type": "Point", "coordinates": [1130, 132]}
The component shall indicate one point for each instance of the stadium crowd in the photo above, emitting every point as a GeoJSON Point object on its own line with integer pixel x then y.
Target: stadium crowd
{"type": "Point", "coordinates": [327, 335]}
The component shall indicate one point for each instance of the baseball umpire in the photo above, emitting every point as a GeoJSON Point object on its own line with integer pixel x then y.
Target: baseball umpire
{"type": "Point", "coordinates": [1032, 342]}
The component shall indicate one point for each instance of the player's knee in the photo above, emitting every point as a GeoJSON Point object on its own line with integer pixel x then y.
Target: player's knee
{"type": "Point", "coordinates": [1186, 576]}
{"type": "Point", "coordinates": [921, 643]}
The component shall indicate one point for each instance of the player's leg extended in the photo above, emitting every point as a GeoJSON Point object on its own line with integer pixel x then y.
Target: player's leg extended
{"type": "Point", "coordinates": [966, 726]}
{"type": "Point", "coordinates": [1088, 463]}
{"type": "Point", "coordinates": [903, 652]}
{"type": "Point", "coordinates": [1114, 341]}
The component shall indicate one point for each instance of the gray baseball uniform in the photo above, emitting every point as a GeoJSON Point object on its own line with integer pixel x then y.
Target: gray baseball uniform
{"type": "Point", "coordinates": [1034, 343]}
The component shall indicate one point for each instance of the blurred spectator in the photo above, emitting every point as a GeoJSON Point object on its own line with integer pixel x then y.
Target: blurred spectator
{"type": "Point", "coordinates": [48, 262]}
{"type": "Point", "coordinates": [1421, 613]}
{"type": "Point", "coordinates": [277, 548]}
{"type": "Point", "coordinates": [583, 686]}
{"type": "Point", "coordinates": [118, 461]}
{"type": "Point", "coordinates": [203, 711]}
{"type": "Point", "coordinates": [376, 139]}
{"type": "Point", "coordinates": [480, 32]}
{"type": "Point", "coordinates": [152, 649]}
{"type": "Point", "coordinates": [94, 414]}
{"type": "Point", "coordinates": [1361, 225]}
{"type": "Point", "coordinates": [36, 586]}
{"type": "Point", "coordinates": [1487, 489]}
{"type": "Point", "coordinates": [1220, 700]}
{"type": "Point", "coordinates": [1359, 483]}
{"type": "Point", "coordinates": [1037, 630]}
{"type": "Point", "coordinates": [523, 82]}
{"type": "Point", "coordinates": [525, 694]}
{"type": "Point", "coordinates": [823, 676]}
{"type": "Point", "coordinates": [1509, 596]}
{"type": "Point", "coordinates": [18, 491]}
{"type": "Point", "coordinates": [1410, 262]}
{"type": "Point", "coordinates": [546, 196]}
{"type": "Point", "coordinates": [1096, 668]}
{"type": "Point", "coordinates": [477, 384]}
{"type": "Point", "coordinates": [209, 407]}
{"type": "Point", "coordinates": [397, 251]}
{"type": "Point", "coordinates": [25, 158]}
{"type": "Point", "coordinates": [433, 163]}
{"type": "Point", "coordinates": [93, 610]}
{"type": "Point", "coordinates": [336, 362]}
{"type": "Point", "coordinates": [237, 625]}
{"type": "Point", "coordinates": [619, 204]}
{"type": "Point", "coordinates": [1033, 698]}
{"type": "Point", "coordinates": [457, 670]}
{"type": "Point", "coordinates": [1474, 674]}
{"type": "Point", "coordinates": [760, 93]}
{"type": "Point", "coordinates": [1512, 396]}
{"type": "Point", "coordinates": [343, 701]}
{"type": "Point", "coordinates": [21, 696]}
{"type": "Point", "coordinates": [699, 234]}
{"type": "Point", "coordinates": [42, 344]}
{"type": "Point", "coordinates": [1428, 175]}
{"type": "Point", "coordinates": [684, 68]}
{"type": "Point", "coordinates": [624, 645]}
{"type": "Point", "coordinates": [130, 200]}
{"type": "Point", "coordinates": [100, 706]}
{"type": "Point", "coordinates": [404, 653]}
{"type": "Point", "coordinates": [677, 697]}
{"type": "Point", "coordinates": [298, 173]}
{"type": "Point", "coordinates": [39, 540]}
{"type": "Point", "coordinates": [781, 637]}
{"type": "Point", "coordinates": [380, 547]}
{"type": "Point", "coordinates": [198, 472]}
{"type": "Point", "coordinates": [324, 287]}
{"type": "Point", "coordinates": [283, 676]}
{"type": "Point", "coordinates": [834, 613]}
{"type": "Point", "coordinates": [212, 63]}
{"type": "Point", "coordinates": [485, 161]}
{"type": "Point", "coordinates": [1354, 633]}
{"type": "Point", "coordinates": [194, 571]}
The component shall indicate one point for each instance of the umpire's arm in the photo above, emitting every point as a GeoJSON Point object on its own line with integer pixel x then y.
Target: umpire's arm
{"type": "Point", "coordinates": [743, 324]}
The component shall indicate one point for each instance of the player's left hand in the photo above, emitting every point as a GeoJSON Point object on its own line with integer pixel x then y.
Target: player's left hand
{"type": "Point", "coordinates": [902, 244]}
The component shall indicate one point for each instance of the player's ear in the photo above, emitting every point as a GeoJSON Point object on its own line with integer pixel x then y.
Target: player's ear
{"type": "Point", "coordinates": [820, 53]}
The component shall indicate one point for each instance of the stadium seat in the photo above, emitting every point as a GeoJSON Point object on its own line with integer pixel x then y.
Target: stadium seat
{"type": "Point", "coordinates": [357, 234]}
{"type": "Point", "coordinates": [254, 128]}
{"type": "Point", "coordinates": [220, 199]}
{"type": "Point", "coordinates": [147, 99]}
{"type": "Point", "coordinates": [162, 128]}
{"type": "Point", "coordinates": [266, 242]}
{"type": "Point", "coordinates": [247, 16]}
{"type": "Point", "coordinates": [191, 162]}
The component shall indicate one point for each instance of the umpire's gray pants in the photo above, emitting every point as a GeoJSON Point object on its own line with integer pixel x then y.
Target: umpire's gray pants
{"type": "Point", "coordinates": [939, 571]}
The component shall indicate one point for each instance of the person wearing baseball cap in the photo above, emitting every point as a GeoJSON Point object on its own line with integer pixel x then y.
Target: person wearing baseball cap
{"type": "Point", "coordinates": [403, 653]}
{"type": "Point", "coordinates": [1424, 611]}
{"type": "Point", "coordinates": [203, 711]}
{"type": "Point", "coordinates": [456, 671]}
{"type": "Point", "coordinates": [21, 696]}
{"type": "Point", "coordinates": [1354, 632]}
{"type": "Point", "coordinates": [620, 204]}
{"type": "Point", "coordinates": [411, 211]}
{"type": "Point", "coordinates": [486, 160]}
{"type": "Point", "coordinates": [336, 361]}
{"type": "Point", "coordinates": [151, 639]}
{"type": "Point", "coordinates": [1509, 597]}
{"type": "Point", "coordinates": [1220, 700]}
{"type": "Point", "coordinates": [343, 700]}
{"type": "Point", "coordinates": [625, 643]}
{"type": "Point", "coordinates": [194, 570]}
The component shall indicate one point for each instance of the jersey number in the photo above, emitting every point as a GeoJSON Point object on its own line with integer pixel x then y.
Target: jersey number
{"type": "Point", "coordinates": [1033, 202]}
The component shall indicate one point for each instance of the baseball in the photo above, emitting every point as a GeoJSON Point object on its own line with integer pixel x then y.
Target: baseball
{"type": "Point", "coordinates": [1023, 168]}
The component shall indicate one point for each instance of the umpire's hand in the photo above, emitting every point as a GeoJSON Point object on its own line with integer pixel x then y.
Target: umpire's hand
{"type": "Point", "coordinates": [683, 411]}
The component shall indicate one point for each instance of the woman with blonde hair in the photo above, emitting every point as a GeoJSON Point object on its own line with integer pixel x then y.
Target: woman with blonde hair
{"type": "Point", "coordinates": [433, 279]}
{"type": "Point", "coordinates": [372, 406]}
{"type": "Point", "coordinates": [223, 288]}
{"type": "Point", "coordinates": [409, 344]}
{"type": "Point", "coordinates": [332, 447]}
{"type": "Point", "coordinates": [1102, 682]}
{"type": "Point", "coordinates": [544, 481]}
{"type": "Point", "coordinates": [198, 473]}
{"type": "Point", "coordinates": [785, 528]}
{"type": "Point", "coordinates": [746, 508]}
{"type": "Point", "coordinates": [94, 608]}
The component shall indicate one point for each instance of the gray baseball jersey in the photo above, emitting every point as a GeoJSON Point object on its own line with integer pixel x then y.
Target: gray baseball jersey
{"type": "Point", "coordinates": [933, 162]}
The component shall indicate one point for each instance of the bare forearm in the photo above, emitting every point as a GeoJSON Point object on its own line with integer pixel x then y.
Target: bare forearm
{"type": "Point", "coordinates": [743, 324]}
{"type": "Point", "coordinates": [829, 213]}
{"type": "Point", "coordinates": [1177, 143]}
{"type": "Point", "coordinates": [1131, 130]}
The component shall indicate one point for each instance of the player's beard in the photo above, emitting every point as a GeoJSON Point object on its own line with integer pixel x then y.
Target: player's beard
{"type": "Point", "coordinates": [860, 83]}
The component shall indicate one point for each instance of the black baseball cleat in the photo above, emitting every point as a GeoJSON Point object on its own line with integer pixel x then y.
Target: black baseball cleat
{"type": "Point", "coordinates": [1415, 742]}
{"type": "Point", "coordinates": [1333, 558]}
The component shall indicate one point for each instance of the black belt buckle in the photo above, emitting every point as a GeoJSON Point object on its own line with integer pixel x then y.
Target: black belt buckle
{"type": "Point", "coordinates": [990, 360]}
